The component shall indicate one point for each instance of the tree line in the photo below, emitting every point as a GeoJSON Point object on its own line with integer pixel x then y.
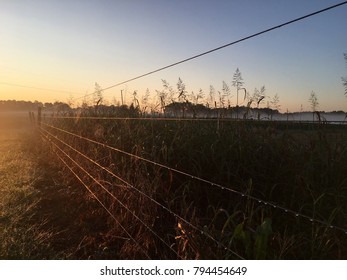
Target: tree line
{"type": "Point", "coordinates": [15, 105]}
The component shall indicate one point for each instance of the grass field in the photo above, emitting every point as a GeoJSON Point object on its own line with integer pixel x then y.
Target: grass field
{"type": "Point", "coordinates": [48, 213]}
{"type": "Point", "coordinates": [38, 214]}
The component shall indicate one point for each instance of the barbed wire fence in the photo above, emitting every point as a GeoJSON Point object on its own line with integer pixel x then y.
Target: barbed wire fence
{"type": "Point", "coordinates": [66, 145]}
{"type": "Point", "coordinates": [54, 140]}
{"type": "Point", "coordinates": [90, 171]}
{"type": "Point", "coordinates": [188, 175]}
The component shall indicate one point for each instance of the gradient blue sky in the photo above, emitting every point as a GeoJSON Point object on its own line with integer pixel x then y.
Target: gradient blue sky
{"type": "Point", "coordinates": [66, 46]}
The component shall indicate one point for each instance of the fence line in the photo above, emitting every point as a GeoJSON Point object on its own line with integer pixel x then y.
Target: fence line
{"type": "Point", "coordinates": [147, 196]}
{"type": "Point", "coordinates": [221, 119]}
{"type": "Point", "coordinates": [258, 200]}
{"type": "Point", "coordinates": [95, 197]}
{"type": "Point", "coordinates": [105, 189]}
{"type": "Point", "coordinates": [142, 118]}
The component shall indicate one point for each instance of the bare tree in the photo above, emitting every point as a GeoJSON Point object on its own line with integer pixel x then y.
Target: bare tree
{"type": "Point", "coordinates": [275, 103]}
{"type": "Point", "coordinates": [313, 102]}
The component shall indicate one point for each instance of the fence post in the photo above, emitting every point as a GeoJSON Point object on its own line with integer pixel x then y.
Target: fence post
{"type": "Point", "coordinates": [30, 118]}
{"type": "Point", "coordinates": [39, 110]}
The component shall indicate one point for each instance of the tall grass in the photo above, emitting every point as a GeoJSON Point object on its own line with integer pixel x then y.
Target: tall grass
{"type": "Point", "coordinates": [297, 167]}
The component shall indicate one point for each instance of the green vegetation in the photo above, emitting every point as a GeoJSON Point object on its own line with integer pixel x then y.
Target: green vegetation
{"type": "Point", "coordinates": [299, 167]}
{"type": "Point", "coordinates": [217, 188]}
{"type": "Point", "coordinates": [47, 212]}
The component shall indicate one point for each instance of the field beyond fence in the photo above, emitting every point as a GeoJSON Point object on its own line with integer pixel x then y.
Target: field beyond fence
{"type": "Point", "coordinates": [136, 188]}
{"type": "Point", "coordinates": [184, 189]}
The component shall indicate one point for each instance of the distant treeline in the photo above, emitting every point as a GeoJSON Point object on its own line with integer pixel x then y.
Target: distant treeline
{"type": "Point", "coordinates": [14, 105]}
{"type": "Point", "coordinates": [175, 109]}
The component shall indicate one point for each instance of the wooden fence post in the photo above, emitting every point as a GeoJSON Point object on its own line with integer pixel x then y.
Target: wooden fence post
{"type": "Point", "coordinates": [30, 118]}
{"type": "Point", "coordinates": [39, 110]}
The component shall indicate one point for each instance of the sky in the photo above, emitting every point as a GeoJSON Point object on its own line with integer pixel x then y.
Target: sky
{"type": "Point", "coordinates": [57, 50]}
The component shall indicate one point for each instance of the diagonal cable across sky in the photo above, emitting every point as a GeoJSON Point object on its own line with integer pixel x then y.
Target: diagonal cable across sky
{"type": "Point", "coordinates": [221, 47]}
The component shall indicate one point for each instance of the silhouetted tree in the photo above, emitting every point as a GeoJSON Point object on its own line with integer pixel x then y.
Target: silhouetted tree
{"type": "Point", "coordinates": [313, 102]}
{"type": "Point", "coordinates": [275, 103]}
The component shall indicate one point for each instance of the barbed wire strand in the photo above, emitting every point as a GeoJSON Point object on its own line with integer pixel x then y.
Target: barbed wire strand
{"type": "Point", "coordinates": [153, 200]}
{"type": "Point", "coordinates": [139, 118]}
{"type": "Point", "coordinates": [105, 189]}
{"type": "Point", "coordinates": [101, 203]}
{"type": "Point", "coordinates": [261, 201]}
{"type": "Point", "coordinates": [207, 119]}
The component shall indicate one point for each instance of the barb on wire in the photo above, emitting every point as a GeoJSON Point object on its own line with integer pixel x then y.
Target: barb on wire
{"type": "Point", "coordinates": [97, 199]}
{"type": "Point", "coordinates": [104, 188]}
{"type": "Point", "coordinates": [213, 184]}
{"type": "Point", "coordinates": [149, 197]}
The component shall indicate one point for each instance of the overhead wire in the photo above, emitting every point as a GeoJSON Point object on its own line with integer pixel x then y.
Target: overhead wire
{"type": "Point", "coordinates": [220, 47]}
{"type": "Point", "coordinates": [192, 57]}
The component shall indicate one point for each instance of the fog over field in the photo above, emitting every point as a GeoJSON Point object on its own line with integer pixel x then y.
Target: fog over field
{"type": "Point", "coordinates": [309, 116]}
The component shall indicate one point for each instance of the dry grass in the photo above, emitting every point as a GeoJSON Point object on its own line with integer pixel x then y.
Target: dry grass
{"type": "Point", "coordinates": [47, 213]}
{"type": "Point", "coordinates": [22, 236]}
{"type": "Point", "coordinates": [40, 218]}
{"type": "Point", "coordinates": [298, 167]}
